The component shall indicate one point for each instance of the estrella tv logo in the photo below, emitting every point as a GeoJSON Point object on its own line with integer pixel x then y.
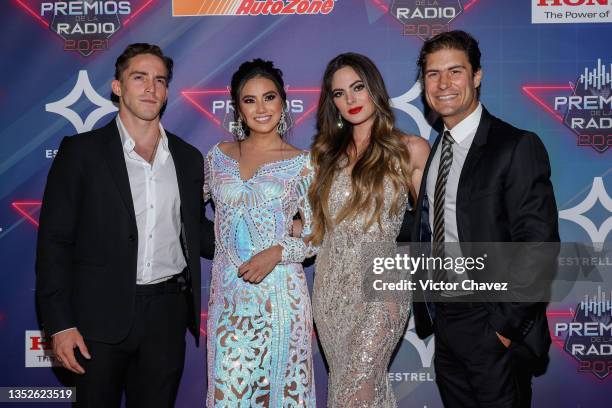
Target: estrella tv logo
{"type": "Point", "coordinates": [85, 26]}
{"type": "Point", "coordinates": [585, 107]}
{"type": "Point", "coordinates": [251, 7]}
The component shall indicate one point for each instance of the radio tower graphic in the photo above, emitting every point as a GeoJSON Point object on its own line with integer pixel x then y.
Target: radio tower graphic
{"type": "Point", "coordinates": [598, 78]}
{"type": "Point", "coordinates": [597, 306]}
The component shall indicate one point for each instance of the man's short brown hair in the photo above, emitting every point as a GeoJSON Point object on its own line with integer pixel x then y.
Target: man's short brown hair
{"type": "Point", "coordinates": [133, 50]}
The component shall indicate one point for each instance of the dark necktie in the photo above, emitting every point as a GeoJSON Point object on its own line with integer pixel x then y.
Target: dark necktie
{"type": "Point", "coordinates": [446, 160]}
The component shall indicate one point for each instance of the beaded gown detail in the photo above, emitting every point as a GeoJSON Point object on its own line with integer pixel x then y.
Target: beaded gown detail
{"type": "Point", "coordinates": [259, 335]}
{"type": "Point", "coordinates": [358, 334]}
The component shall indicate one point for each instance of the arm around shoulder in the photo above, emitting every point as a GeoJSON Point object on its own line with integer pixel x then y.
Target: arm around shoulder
{"type": "Point", "coordinates": [418, 151]}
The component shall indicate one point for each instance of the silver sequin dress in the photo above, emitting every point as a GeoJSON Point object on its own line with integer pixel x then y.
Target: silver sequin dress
{"type": "Point", "coordinates": [358, 335]}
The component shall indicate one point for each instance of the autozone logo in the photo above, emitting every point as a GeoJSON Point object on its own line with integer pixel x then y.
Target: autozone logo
{"type": "Point", "coordinates": [251, 7]}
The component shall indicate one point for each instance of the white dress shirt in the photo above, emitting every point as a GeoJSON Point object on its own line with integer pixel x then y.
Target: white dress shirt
{"type": "Point", "coordinates": [157, 206]}
{"type": "Point", "coordinates": [463, 134]}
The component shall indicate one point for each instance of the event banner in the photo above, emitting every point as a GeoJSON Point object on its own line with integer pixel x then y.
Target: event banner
{"type": "Point", "coordinates": [546, 68]}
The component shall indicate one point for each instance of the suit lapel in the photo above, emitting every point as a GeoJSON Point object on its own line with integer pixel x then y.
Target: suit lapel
{"type": "Point", "coordinates": [179, 165]}
{"type": "Point", "coordinates": [181, 178]}
{"type": "Point", "coordinates": [113, 154]}
{"type": "Point", "coordinates": [467, 172]}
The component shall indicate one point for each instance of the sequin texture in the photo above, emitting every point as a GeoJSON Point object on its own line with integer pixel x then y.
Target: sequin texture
{"type": "Point", "coordinates": [259, 335]}
{"type": "Point", "coordinates": [358, 336]}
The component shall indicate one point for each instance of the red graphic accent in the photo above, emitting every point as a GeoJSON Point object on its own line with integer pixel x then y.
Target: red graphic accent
{"type": "Point", "coordinates": [538, 93]}
{"type": "Point", "coordinates": [381, 5]}
{"type": "Point", "coordinates": [31, 12]}
{"type": "Point", "coordinates": [137, 12]}
{"type": "Point", "coordinates": [199, 97]}
{"type": "Point", "coordinates": [28, 210]}
{"type": "Point", "coordinates": [469, 5]}
{"type": "Point", "coordinates": [555, 315]}
{"type": "Point", "coordinates": [565, 316]}
{"type": "Point", "coordinates": [38, 343]}
{"type": "Point", "coordinates": [560, 314]}
{"type": "Point", "coordinates": [203, 320]}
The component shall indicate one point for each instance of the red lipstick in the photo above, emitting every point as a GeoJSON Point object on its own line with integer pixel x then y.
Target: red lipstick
{"type": "Point", "coordinates": [356, 110]}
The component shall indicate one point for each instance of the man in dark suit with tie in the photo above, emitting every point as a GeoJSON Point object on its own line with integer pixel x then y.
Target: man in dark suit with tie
{"type": "Point", "coordinates": [485, 181]}
{"type": "Point", "coordinates": [121, 231]}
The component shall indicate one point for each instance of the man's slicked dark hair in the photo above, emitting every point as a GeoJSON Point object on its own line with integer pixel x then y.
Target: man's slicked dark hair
{"type": "Point", "coordinates": [454, 40]}
{"type": "Point", "coordinates": [132, 50]}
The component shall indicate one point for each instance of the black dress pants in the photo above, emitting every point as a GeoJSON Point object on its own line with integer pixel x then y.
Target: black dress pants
{"type": "Point", "coordinates": [147, 365]}
{"type": "Point", "coordinates": [473, 367]}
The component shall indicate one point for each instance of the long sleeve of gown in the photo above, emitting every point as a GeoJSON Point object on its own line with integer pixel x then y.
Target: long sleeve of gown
{"type": "Point", "coordinates": [207, 227]}
{"type": "Point", "coordinates": [296, 249]}
{"type": "Point", "coordinates": [207, 177]}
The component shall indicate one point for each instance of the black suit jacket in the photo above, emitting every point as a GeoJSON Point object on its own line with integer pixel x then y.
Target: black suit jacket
{"type": "Point", "coordinates": [88, 240]}
{"type": "Point", "coordinates": [504, 195]}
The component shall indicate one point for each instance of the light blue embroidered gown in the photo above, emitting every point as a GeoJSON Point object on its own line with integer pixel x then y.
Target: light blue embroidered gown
{"type": "Point", "coordinates": [259, 335]}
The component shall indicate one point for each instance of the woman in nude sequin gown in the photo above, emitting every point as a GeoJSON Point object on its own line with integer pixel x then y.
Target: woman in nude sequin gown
{"type": "Point", "coordinates": [365, 172]}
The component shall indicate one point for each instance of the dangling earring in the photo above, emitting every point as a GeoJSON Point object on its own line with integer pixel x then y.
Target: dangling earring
{"type": "Point", "coordinates": [238, 130]}
{"type": "Point", "coordinates": [282, 124]}
{"type": "Point", "coordinates": [340, 122]}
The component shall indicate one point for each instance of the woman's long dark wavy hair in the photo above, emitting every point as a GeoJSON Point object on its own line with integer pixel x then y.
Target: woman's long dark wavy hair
{"type": "Point", "coordinates": [385, 157]}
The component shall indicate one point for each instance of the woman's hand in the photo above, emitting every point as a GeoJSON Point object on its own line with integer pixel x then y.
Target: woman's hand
{"type": "Point", "coordinates": [260, 265]}
{"type": "Point", "coordinates": [505, 341]}
{"type": "Point", "coordinates": [296, 228]}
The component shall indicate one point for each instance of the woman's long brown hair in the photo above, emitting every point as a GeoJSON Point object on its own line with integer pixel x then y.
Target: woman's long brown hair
{"type": "Point", "coordinates": [385, 157]}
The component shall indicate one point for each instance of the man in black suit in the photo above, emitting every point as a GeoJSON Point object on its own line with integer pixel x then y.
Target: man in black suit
{"type": "Point", "coordinates": [485, 181]}
{"type": "Point", "coordinates": [121, 231]}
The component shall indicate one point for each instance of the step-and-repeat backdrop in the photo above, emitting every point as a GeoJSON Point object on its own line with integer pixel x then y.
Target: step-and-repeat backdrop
{"type": "Point", "coordinates": [547, 67]}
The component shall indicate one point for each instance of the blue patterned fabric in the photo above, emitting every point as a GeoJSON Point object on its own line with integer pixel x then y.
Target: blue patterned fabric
{"type": "Point", "coordinates": [259, 335]}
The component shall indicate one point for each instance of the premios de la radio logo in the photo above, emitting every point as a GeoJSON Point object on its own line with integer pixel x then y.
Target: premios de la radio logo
{"type": "Point", "coordinates": [588, 336]}
{"type": "Point", "coordinates": [588, 110]}
{"type": "Point", "coordinates": [86, 26]}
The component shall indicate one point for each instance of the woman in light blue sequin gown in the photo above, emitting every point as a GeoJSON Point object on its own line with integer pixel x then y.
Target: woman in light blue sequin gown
{"type": "Point", "coordinates": [259, 315]}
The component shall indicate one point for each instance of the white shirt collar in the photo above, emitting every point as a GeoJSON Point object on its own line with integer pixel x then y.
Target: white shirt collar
{"type": "Point", "coordinates": [466, 129]}
{"type": "Point", "coordinates": [128, 143]}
